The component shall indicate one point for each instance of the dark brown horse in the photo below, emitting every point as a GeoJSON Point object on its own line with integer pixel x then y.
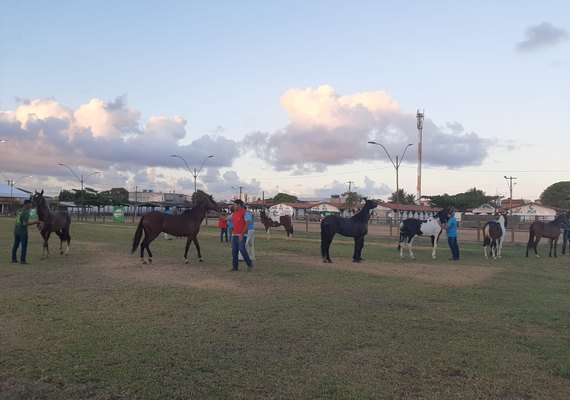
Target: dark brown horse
{"type": "Point", "coordinates": [494, 234]}
{"type": "Point", "coordinates": [185, 224]}
{"type": "Point", "coordinates": [57, 222]}
{"type": "Point", "coordinates": [284, 221]}
{"type": "Point", "coordinates": [355, 226]}
{"type": "Point", "coordinates": [551, 231]}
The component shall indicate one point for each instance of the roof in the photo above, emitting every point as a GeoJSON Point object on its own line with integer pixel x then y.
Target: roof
{"type": "Point", "coordinates": [409, 207]}
{"type": "Point", "coordinates": [9, 191]}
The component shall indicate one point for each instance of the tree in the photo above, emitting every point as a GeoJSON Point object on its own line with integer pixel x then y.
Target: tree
{"type": "Point", "coordinates": [66, 195]}
{"type": "Point", "coordinates": [351, 199]}
{"type": "Point", "coordinates": [557, 195]}
{"type": "Point", "coordinates": [472, 198]}
{"type": "Point", "coordinates": [114, 196]}
{"type": "Point", "coordinates": [285, 198]}
{"type": "Point", "coordinates": [403, 197]}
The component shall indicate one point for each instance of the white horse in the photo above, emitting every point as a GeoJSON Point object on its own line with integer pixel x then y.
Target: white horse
{"type": "Point", "coordinates": [411, 227]}
{"type": "Point", "coordinates": [494, 234]}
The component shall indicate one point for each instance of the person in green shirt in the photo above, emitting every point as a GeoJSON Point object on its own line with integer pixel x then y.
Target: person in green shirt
{"type": "Point", "coordinates": [21, 232]}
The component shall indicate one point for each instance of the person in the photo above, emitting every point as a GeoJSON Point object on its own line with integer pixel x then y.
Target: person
{"type": "Point", "coordinates": [223, 225]}
{"type": "Point", "coordinates": [451, 229]}
{"type": "Point", "coordinates": [239, 236]}
{"type": "Point", "coordinates": [21, 232]}
{"type": "Point", "coordinates": [250, 242]}
{"type": "Point", "coordinates": [231, 222]}
{"type": "Point", "coordinates": [566, 239]}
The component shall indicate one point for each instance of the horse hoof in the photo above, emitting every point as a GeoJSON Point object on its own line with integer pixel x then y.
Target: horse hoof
{"type": "Point", "coordinates": [145, 263]}
{"type": "Point", "coordinates": [200, 260]}
{"type": "Point", "coordinates": [186, 261]}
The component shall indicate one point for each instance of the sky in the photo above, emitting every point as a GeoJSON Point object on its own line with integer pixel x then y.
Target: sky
{"type": "Point", "coordinates": [285, 96]}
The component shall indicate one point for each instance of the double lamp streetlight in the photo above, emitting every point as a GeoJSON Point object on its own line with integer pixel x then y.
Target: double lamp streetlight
{"type": "Point", "coordinates": [81, 180]}
{"type": "Point", "coordinates": [194, 172]}
{"type": "Point", "coordinates": [396, 167]}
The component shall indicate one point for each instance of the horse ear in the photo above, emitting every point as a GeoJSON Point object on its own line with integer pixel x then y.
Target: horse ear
{"type": "Point", "coordinates": [42, 193]}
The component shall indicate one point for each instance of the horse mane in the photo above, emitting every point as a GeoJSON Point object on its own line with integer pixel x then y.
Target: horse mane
{"type": "Point", "coordinates": [364, 214]}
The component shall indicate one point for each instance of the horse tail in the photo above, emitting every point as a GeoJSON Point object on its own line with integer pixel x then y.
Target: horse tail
{"type": "Point", "coordinates": [138, 236]}
{"type": "Point", "coordinates": [486, 235]}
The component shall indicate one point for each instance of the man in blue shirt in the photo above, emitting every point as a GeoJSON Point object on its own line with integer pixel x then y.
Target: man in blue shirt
{"type": "Point", "coordinates": [451, 229]}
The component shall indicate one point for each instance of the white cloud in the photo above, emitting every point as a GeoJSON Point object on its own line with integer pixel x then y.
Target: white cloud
{"type": "Point", "coordinates": [327, 129]}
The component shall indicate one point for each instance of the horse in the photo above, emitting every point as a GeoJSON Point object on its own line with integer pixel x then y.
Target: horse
{"type": "Point", "coordinates": [284, 220]}
{"type": "Point", "coordinates": [185, 224]}
{"type": "Point", "coordinates": [494, 234]}
{"type": "Point", "coordinates": [412, 227]}
{"type": "Point", "coordinates": [57, 222]}
{"type": "Point", "coordinates": [355, 226]}
{"type": "Point", "coordinates": [551, 230]}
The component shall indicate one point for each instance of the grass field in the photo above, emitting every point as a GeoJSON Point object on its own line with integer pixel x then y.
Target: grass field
{"type": "Point", "coordinates": [98, 325]}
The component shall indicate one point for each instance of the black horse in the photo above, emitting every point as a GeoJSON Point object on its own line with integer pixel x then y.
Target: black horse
{"type": "Point", "coordinates": [356, 227]}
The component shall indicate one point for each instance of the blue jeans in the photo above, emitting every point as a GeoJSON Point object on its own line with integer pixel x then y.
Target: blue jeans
{"type": "Point", "coordinates": [223, 232]}
{"type": "Point", "coordinates": [23, 239]}
{"type": "Point", "coordinates": [452, 242]}
{"type": "Point", "coordinates": [239, 247]}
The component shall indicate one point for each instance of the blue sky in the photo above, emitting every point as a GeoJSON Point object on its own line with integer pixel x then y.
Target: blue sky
{"type": "Point", "coordinates": [285, 95]}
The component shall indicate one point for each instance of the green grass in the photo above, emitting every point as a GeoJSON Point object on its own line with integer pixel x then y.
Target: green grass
{"type": "Point", "coordinates": [95, 324]}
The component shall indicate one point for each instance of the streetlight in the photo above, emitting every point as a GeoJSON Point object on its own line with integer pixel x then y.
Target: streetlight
{"type": "Point", "coordinates": [81, 180]}
{"type": "Point", "coordinates": [194, 172]}
{"type": "Point", "coordinates": [396, 167]}
{"type": "Point", "coordinates": [12, 182]}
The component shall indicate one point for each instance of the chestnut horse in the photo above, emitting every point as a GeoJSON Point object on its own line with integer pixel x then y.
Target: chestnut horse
{"type": "Point", "coordinates": [551, 231]}
{"type": "Point", "coordinates": [355, 226]}
{"type": "Point", "coordinates": [185, 224]}
{"type": "Point", "coordinates": [57, 222]}
{"type": "Point", "coordinates": [284, 220]}
{"type": "Point", "coordinates": [494, 234]}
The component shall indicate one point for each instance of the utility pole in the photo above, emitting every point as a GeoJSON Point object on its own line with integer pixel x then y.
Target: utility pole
{"type": "Point", "coordinates": [420, 119]}
{"type": "Point", "coordinates": [511, 184]}
{"type": "Point", "coordinates": [349, 186]}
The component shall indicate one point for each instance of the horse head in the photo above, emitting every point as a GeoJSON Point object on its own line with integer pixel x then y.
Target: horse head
{"type": "Point", "coordinates": [38, 197]}
{"type": "Point", "coordinates": [211, 204]}
{"type": "Point", "coordinates": [370, 204]}
{"type": "Point", "coordinates": [442, 215]}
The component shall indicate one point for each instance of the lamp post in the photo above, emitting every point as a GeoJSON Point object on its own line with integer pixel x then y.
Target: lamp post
{"type": "Point", "coordinates": [81, 180]}
{"type": "Point", "coordinates": [511, 184]}
{"type": "Point", "coordinates": [194, 172]}
{"type": "Point", "coordinates": [396, 167]}
{"type": "Point", "coordinates": [11, 183]}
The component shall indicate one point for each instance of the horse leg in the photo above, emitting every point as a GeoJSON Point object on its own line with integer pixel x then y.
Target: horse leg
{"type": "Point", "coordinates": [500, 247]}
{"type": "Point", "coordinates": [358, 244]}
{"type": "Point", "coordinates": [325, 247]}
{"type": "Point", "coordinates": [433, 247]}
{"type": "Point", "coordinates": [148, 238]}
{"type": "Point", "coordinates": [188, 241]}
{"type": "Point", "coordinates": [197, 245]}
{"type": "Point", "coordinates": [45, 252]}
{"type": "Point", "coordinates": [410, 241]}
{"type": "Point", "coordinates": [535, 245]}
{"type": "Point", "coordinates": [555, 246]}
